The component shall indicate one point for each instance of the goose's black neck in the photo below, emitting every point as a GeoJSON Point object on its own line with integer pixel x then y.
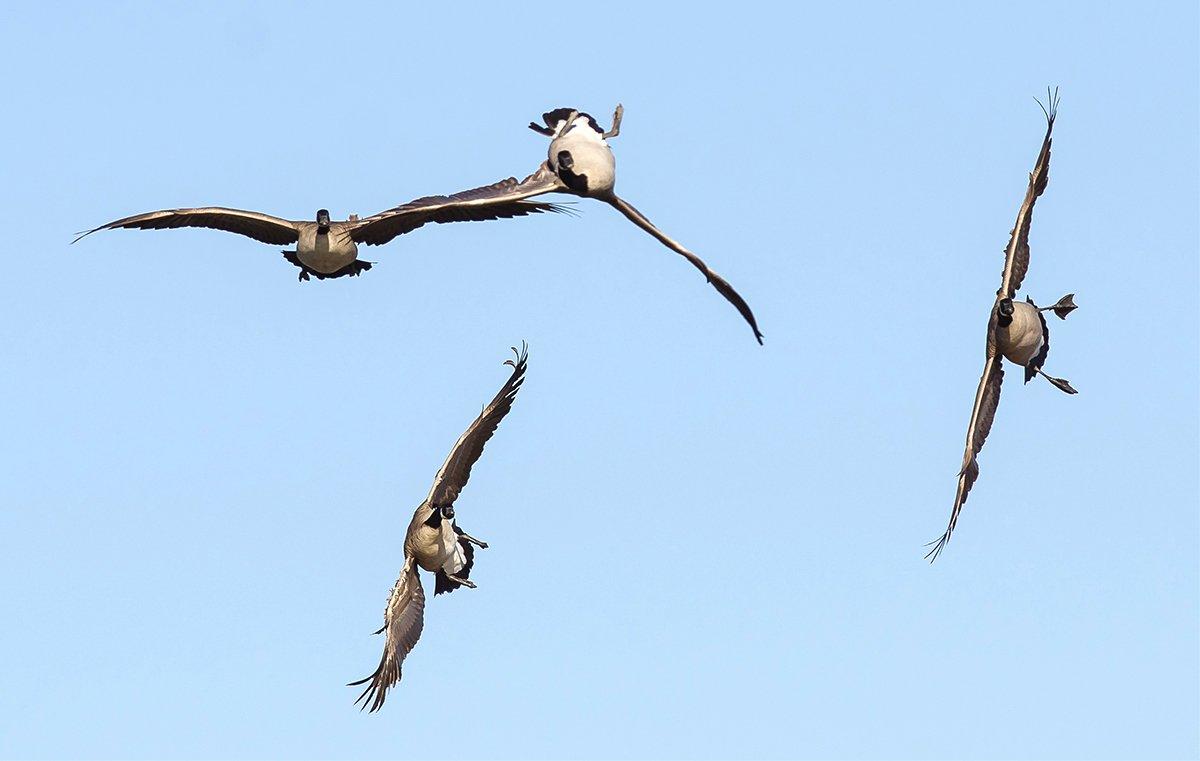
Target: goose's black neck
{"type": "Point", "coordinates": [1005, 311]}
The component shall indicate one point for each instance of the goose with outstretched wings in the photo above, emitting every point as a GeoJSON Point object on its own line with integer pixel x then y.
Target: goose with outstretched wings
{"type": "Point", "coordinates": [1016, 331]}
{"type": "Point", "coordinates": [326, 248]}
{"type": "Point", "coordinates": [436, 544]}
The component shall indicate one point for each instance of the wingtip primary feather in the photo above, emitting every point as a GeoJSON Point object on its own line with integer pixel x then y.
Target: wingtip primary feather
{"type": "Point", "coordinates": [565, 207]}
{"type": "Point", "coordinates": [940, 544]}
{"type": "Point", "coordinates": [80, 235]}
{"type": "Point", "coordinates": [521, 356]}
{"type": "Point", "coordinates": [374, 693]}
{"type": "Point", "coordinates": [1050, 109]}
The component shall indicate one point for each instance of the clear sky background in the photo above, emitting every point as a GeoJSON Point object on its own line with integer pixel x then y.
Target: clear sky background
{"type": "Point", "coordinates": [699, 547]}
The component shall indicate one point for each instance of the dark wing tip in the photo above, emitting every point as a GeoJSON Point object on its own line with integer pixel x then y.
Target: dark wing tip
{"type": "Point", "coordinates": [733, 297]}
{"type": "Point", "coordinates": [84, 233]}
{"type": "Point", "coordinates": [373, 696]}
{"type": "Point", "coordinates": [520, 359]}
{"type": "Point", "coordinates": [1050, 108]}
{"type": "Point", "coordinates": [566, 207]}
{"type": "Point", "coordinates": [939, 545]}
{"type": "Point", "coordinates": [517, 379]}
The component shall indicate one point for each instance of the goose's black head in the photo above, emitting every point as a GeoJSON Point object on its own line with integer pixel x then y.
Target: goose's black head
{"type": "Point", "coordinates": [440, 513]}
{"type": "Point", "coordinates": [323, 221]}
{"type": "Point", "coordinates": [552, 118]}
{"type": "Point", "coordinates": [1006, 312]}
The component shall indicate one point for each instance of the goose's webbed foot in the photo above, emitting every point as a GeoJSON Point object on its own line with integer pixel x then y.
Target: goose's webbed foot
{"type": "Point", "coordinates": [468, 538]}
{"type": "Point", "coordinates": [1064, 307]}
{"type": "Point", "coordinates": [1062, 384]}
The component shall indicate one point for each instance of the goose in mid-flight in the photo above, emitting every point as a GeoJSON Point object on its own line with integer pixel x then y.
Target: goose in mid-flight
{"type": "Point", "coordinates": [328, 249]}
{"type": "Point", "coordinates": [433, 542]}
{"type": "Point", "coordinates": [580, 162]}
{"type": "Point", "coordinates": [1017, 331]}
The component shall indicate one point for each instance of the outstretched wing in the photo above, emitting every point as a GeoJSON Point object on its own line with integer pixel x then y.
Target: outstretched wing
{"type": "Point", "coordinates": [1016, 256]}
{"type": "Point", "coordinates": [987, 398]}
{"type": "Point", "coordinates": [501, 200]}
{"type": "Point", "coordinates": [403, 619]}
{"type": "Point", "coordinates": [252, 224]}
{"type": "Point", "coordinates": [457, 468]}
{"type": "Point", "coordinates": [723, 287]}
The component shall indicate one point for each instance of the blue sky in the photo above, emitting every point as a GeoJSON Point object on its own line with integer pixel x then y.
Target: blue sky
{"type": "Point", "coordinates": [699, 547]}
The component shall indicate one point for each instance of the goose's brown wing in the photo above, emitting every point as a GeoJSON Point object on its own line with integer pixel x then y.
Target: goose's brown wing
{"type": "Point", "coordinates": [500, 200]}
{"type": "Point", "coordinates": [252, 224]}
{"type": "Point", "coordinates": [455, 471]}
{"type": "Point", "coordinates": [1016, 256]}
{"type": "Point", "coordinates": [723, 287]}
{"type": "Point", "coordinates": [987, 398]}
{"type": "Point", "coordinates": [403, 620]}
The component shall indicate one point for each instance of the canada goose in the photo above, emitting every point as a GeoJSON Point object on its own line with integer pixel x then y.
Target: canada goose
{"type": "Point", "coordinates": [328, 249]}
{"type": "Point", "coordinates": [1016, 331]}
{"type": "Point", "coordinates": [581, 163]}
{"type": "Point", "coordinates": [435, 543]}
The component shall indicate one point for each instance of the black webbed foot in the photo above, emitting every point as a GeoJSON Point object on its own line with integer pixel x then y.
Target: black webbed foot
{"type": "Point", "coordinates": [354, 268]}
{"type": "Point", "coordinates": [1062, 384]}
{"type": "Point", "coordinates": [1064, 307]}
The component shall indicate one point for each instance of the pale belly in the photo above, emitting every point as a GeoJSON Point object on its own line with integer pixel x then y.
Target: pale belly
{"type": "Point", "coordinates": [325, 253]}
{"type": "Point", "coordinates": [433, 547]}
{"type": "Point", "coordinates": [1021, 340]}
{"type": "Point", "coordinates": [589, 157]}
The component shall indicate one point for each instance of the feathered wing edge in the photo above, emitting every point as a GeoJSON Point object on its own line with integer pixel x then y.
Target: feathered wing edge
{"type": "Point", "coordinates": [456, 470]}
{"type": "Point", "coordinates": [987, 399]}
{"type": "Point", "coordinates": [500, 200]}
{"type": "Point", "coordinates": [1016, 255]}
{"type": "Point", "coordinates": [723, 287]}
{"type": "Point", "coordinates": [261, 227]}
{"type": "Point", "coordinates": [403, 620]}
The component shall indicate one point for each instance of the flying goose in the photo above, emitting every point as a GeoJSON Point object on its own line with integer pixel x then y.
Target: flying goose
{"type": "Point", "coordinates": [1017, 331]}
{"type": "Point", "coordinates": [328, 249]}
{"type": "Point", "coordinates": [580, 162]}
{"type": "Point", "coordinates": [435, 543]}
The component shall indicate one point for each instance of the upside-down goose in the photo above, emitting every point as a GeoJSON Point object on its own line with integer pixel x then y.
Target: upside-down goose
{"type": "Point", "coordinates": [327, 248]}
{"type": "Point", "coordinates": [1017, 331]}
{"type": "Point", "coordinates": [580, 162]}
{"type": "Point", "coordinates": [435, 543]}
